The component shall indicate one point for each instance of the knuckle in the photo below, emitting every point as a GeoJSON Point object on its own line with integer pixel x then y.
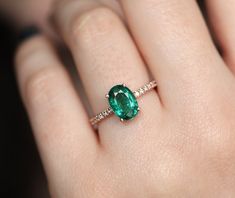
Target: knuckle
{"type": "Point", "coordinates": [36, 68]}
{"type": "Point", "coordinates": [93, 24]}
{"type": "Point", "coordinates": [41, 87]}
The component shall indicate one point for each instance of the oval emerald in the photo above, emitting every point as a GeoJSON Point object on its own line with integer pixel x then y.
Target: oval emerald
{"type": "Point", "coordinates": [123, 102]}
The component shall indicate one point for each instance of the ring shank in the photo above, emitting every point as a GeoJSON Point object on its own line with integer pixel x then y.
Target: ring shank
{"type": "Point", "coordinates": [138, 93]}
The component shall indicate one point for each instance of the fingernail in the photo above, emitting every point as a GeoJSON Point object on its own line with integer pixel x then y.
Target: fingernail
{"type": "Point", "coordinates": [28, 33]}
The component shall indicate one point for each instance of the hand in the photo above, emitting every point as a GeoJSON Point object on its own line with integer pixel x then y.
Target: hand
{"type": "Point", "coordinates": [26, 13]}
{"type": "Point", "coordinates": [182, 142]}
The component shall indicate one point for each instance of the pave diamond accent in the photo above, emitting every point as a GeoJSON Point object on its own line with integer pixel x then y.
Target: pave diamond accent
{"type": "Point", "coordinates": [138, 93]}
{"type": "Point", "coordinates": [141, 91]}
{"type": "Point", "coordinates": [107, 112]}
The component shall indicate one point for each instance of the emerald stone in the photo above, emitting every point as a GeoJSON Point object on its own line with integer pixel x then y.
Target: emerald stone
{"type": "Point", "coordinates": [123, 102]}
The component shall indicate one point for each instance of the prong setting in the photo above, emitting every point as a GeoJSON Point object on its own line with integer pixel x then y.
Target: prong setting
{"type": "Point", "coordinates": [109, 111]}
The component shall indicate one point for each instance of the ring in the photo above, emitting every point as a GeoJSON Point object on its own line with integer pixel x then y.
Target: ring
{"type": "Point", "coordinates": [123, 102]}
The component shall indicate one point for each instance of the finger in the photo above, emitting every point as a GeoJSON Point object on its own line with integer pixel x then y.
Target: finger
{"type": "Point", "coordinates": [105, 56]}
{"type": "Point", "coordinates": [59, 121]}
{"type": "Point", "coordinates": [222, 18]}
{"type": "Point", "coordinates": [176, 45]}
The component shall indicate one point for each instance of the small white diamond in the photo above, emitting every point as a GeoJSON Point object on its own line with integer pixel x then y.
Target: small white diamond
{"type": "Point", "coordinates": [145, 88]}
{"type": "Point", "coordinates": [101, 116]}
{"type": "Point", "coordinates": [105, 113]}
{"type": "Point", "coordinates": [137, 94]}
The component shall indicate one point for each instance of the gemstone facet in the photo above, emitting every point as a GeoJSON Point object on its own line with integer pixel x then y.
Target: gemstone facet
{"type": "Point", "coordinates": [123, 102]}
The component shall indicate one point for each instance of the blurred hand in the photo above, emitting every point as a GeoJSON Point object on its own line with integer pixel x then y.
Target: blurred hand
{"type": "Point", "coordinates": [26, 12]}
{"type": "Point", "coordinates": [182, 142]}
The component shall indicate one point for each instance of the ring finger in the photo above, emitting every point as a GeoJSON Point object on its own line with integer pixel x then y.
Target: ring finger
{"type": "Point", "coordinates": [105, 56]}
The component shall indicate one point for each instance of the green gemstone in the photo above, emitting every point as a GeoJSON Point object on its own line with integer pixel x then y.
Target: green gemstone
{"type": "Point", "coordinates": [123, 102]}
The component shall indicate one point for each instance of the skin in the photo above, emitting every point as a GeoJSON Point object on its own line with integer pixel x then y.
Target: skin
{"type": "Point", "coordinates": [182, 142]}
